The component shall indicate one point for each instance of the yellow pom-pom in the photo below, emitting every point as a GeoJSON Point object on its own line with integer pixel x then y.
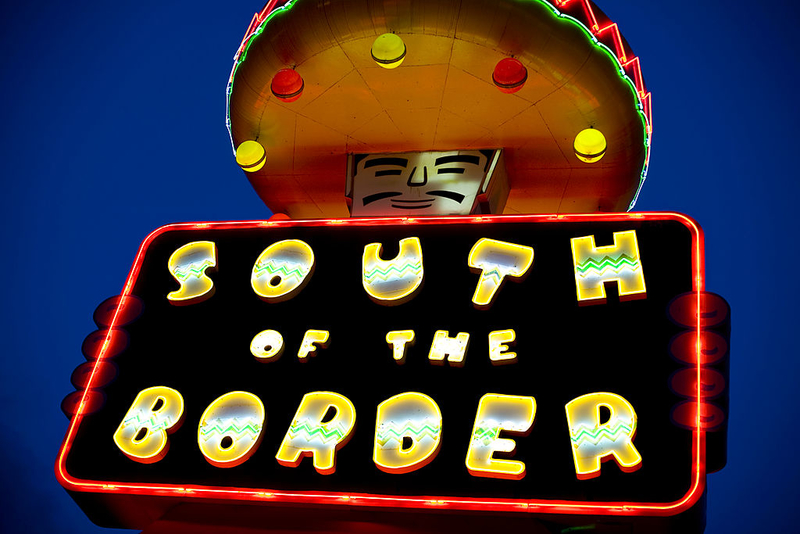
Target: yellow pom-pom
{"type": "Point", "coordinates": [251, 156]}
{"type": "Point", "coordinates": [388, 51]}
{"type": "Point", "coordinates": [590, 145]}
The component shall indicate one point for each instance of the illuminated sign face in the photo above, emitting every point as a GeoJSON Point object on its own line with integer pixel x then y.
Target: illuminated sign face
{"type": "Point", "coordinates": [503, 364]}
{"type": "Point", "coordinates": [419, 183]}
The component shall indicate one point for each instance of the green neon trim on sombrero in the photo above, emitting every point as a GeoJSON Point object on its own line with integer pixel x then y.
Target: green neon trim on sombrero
{"type": "Point", "coordinates": [638, 100]}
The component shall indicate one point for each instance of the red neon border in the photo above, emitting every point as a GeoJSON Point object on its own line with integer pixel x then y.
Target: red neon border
{"type": "Point", "coordinates": [420, 502]}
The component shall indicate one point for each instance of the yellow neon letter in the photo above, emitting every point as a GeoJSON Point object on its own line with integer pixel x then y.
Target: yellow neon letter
{"type": "Point", "coordinates": [399, 340]}
{"type": "Point", "coordinates": [408, 433]}
{"type": "Point", "coordinates": [188, 266]}
{"type": "Point", "coordinates": [311, 339]}
{"type": "Point", "coordinates": [496, 260]}
{"type": "Point", "coordinates": [495, 413]}
{"type": "Point", "coordinates": [619, 262]}
{"type": "Point", "coordinates": [392, 282]}
{"type": "Point", "coordinates": [592, 441]}
{"type": "Point", "coordinates": [230, 429]}
{"type": "Point", "coordinates": [498, 347]}
{"type": "Point", "coordinates": [282, 270]}
{"type": "Point", "coordinates": [454, 348]}
{"type": "Point", "coordinates": [142, 434]}
{"type": "Point", "coordinates": [309, 435]}
{"type": "Point", "coordinates": [267, 346]}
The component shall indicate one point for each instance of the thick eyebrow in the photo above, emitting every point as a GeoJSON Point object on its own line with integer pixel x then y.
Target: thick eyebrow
{"type": "Point", "coordinates": [475, 160]}
{"type": "Point", "coordinates": [401, 162]}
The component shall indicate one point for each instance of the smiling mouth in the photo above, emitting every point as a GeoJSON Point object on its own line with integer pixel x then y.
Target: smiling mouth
{"type": "Point", "coordinates": [413, 204]}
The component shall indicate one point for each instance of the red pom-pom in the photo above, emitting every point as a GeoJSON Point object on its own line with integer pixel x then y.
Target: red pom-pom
{"type": "Point", "coordinates": [509, 75]}
{"type": "Point", "coordinates": [287, 85]}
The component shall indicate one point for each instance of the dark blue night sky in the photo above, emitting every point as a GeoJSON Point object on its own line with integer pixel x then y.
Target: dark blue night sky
{"type": "Point", "coordinates": [114, 124]}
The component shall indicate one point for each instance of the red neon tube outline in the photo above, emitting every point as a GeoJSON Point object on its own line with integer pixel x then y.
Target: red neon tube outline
{"type": "Point", "coordinates": [423, 502]}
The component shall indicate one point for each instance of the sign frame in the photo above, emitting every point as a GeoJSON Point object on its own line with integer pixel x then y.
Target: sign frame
{"type": "Point", "coordinates": [236, 495]}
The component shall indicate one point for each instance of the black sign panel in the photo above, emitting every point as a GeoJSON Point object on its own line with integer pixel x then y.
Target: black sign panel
{"type": "Point", "coordinates": [565, 349]}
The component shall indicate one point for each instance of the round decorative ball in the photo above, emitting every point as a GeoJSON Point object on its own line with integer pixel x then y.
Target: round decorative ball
{"type": "Point", "coordinates": [251, 156]}
{"type": "Point", "coordinates": [287, 85]}
{"type": "Point", "coordinates": [590, 145]}
{"type": "Point", "coordinates": [509, 75]}
{"type": "Point", "coordinates": [388, 51]}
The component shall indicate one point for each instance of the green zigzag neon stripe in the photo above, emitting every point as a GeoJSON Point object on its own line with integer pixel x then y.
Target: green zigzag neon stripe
{"type": "Point", "coordinates": [270, 268]}
{"type": "Point", "coordinates": [390, 431]}
{"type": "Point", "coordinates": [182, 273]}
{"type": "Point", "coordinates": [252, 428]}
{"type": "Point", "coordinates": [608, 262]}
{"type": "Point", "coordinates": [151, 422]}
{"type": "Point", "coordinates": [486, 434]}
{"type": "Point", "coordinates": [240, 58]}
{"type": "Point", "coordinates": [400, 272]}
{"type": "Point", "coordinates": [311, 431]}
{"type": "Point", "coordinates": [594, 436]}
{"type": "Point", "coordinates": [494, 273]}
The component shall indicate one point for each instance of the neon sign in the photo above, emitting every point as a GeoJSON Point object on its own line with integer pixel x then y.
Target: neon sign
{"type": "Point", "coordinates": [494, 396]}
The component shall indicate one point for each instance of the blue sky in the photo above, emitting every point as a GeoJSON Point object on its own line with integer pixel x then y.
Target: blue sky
{"type": "Point", "coordinates": [113, 124]}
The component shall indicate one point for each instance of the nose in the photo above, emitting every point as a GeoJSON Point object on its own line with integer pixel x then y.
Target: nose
{"type": "Point", "coordinates": [418, 180]}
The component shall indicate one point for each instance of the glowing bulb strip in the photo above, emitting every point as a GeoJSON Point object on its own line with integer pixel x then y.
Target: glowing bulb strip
{"type": "Point", "coordinates": [624, 508]}
{"type": "Point", "coordinates": [590, 26]}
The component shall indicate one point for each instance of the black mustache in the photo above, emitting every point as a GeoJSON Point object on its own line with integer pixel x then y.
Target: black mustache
{"type": "Point", "coordinates": [379, 196]}
{"type": "Point", "coordinates": [457, 197]}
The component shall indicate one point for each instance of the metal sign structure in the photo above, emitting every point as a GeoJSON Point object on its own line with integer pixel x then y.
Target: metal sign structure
{"type": "Point", "coordinates": [411, 355]}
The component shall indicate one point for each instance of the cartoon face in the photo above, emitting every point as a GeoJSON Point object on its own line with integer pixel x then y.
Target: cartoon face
{"type": "Point", "coordinates": [418, 183]}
